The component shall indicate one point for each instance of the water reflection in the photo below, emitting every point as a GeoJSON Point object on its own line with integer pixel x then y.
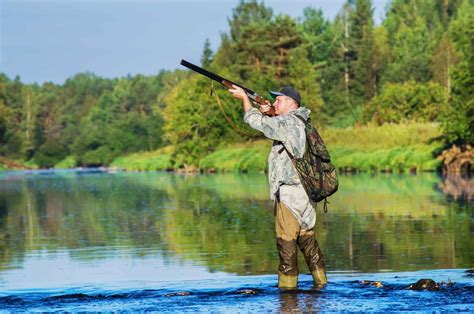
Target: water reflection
{"type": "Point", "coordinates": [306, 301]}
{"type": "Point", "coordinates": [457, 187]}
{"type": "Point", "coordinates": [224, 223]}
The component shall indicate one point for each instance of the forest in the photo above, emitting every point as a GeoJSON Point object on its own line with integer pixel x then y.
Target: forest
{"type": "Point", "coordinates": [412, 72]}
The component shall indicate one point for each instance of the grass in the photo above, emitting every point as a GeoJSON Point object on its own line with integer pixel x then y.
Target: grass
{"type": "Point", "coordinates": [387, 136]}
{"type": "Point", "coordinates": [414, 158]}
{"type": "Point", "coordinates": [145, 161]}
{"type": "Point", "coordinates": [391, 147]}
{"type": "Point", "coordinates": [250, 157]}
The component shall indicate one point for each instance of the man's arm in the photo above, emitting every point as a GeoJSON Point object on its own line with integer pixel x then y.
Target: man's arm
{"type": "Point", "coordinates": [239, 93]}
{"type": "Point", "coordinates": [272, 127]}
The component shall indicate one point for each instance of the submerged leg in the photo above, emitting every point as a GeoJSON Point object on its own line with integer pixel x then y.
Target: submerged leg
{"type": "Point", "coordinates": [313, 256]}
{"type": "Point", "coordinates": [287, 229]}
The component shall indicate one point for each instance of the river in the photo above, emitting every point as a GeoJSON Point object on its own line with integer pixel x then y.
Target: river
{"type": "Point", "coordinates": [97, 241]}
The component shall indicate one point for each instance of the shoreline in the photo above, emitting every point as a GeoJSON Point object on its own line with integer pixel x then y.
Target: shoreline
{"type": "Point", "coordinates": [392, 148]}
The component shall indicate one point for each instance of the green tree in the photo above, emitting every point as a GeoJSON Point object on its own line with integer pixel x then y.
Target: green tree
{"type": "Point", "coordinates": [303, 76]}
{"type": "Point", "coordinates": [458, 122]}
{"type": "Point", "coordinates": [337, 74]}
{"type": "Point", "coordinates": [194, 125]}
{"type": "Point", "coordinates": [381, 54]}
{"type": "Point", "coordinates": [447, 10]}
{"type": "Point", "coordinates": [48, 147]}
{"type": "Point", "coordinates": [8, 141]}
{"type": "Point", "coordinates": [316, 35]}
{"type": "Point", "coordinates": [10, 118]}
{"type": "Point", "coordinates": [414, 30]}
{"type": "Point", "coordinates": [362, 42]}
{"type": "Point", "coordinates": [444, 58]}
{"type": "Point", "coordinates": [407, 101]}
{"type": "Point", "coordinates": [247, 13]}
{"type": "Point", "coordinates": [206, 57]}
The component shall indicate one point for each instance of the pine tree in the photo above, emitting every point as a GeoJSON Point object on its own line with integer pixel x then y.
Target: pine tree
{"type": "Point", "coordinates": [206, 57]}
{"type": "Point", "coordinates": [245, 14]}
{"type": "Point", "coordinates": [363, 85]}
{"type": "Point", "coordinates": [317, 35]}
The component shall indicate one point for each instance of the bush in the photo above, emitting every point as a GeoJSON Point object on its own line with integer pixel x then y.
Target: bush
{"type": "Point", "coordinates": [100, 156]}
{"type": "Point", "coordinates": [67, 163]}
{"type": "Point", "coordinates": [49, 154]}
{"type": "Point", "coordinates": [398, 103]}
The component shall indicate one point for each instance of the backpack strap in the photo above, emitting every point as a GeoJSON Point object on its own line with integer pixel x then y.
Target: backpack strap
{"type": "Point", "coordinates": [303, 119]}
{"type": "Point", "coordinates": [275, 142]}
{"type": "Point", "coordinates": [283, 149]}
{"type": "Point", "coordinates": [287, 151]}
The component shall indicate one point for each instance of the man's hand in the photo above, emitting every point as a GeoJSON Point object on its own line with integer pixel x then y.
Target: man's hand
{"type": "Point", "coordinates": [265, 108]}
{"type": "Point", "coordinates": [238, 93]}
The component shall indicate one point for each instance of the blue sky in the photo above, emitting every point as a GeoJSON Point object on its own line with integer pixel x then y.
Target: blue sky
{"type": "Point", "coordinates": [52, 40]}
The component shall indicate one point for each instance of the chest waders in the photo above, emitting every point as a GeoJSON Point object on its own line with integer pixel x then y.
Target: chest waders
{"type": "Point", "coordinates": [289, 237]}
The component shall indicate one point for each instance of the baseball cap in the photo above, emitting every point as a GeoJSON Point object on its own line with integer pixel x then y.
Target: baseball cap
{"type": "Point", "coordinates": [287, 91]}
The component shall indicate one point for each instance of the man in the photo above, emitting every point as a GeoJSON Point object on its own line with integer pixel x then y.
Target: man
{"type": "Point", "coordinates": [295, 216]}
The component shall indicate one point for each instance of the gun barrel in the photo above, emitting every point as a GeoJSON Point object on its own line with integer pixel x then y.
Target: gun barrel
{"type": "Point", "coordinates": [214, 76]}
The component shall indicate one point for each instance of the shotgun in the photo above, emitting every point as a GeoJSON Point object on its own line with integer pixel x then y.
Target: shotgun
{"type": "Point", "coordinates": [253, 96]}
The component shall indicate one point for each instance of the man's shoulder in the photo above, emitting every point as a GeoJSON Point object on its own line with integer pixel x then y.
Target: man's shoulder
{"type": "Point", "coordinates": [296, 117]}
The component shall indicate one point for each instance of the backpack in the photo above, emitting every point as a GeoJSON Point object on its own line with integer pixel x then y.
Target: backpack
{"type": "Point", "coordinates": [317, 173]}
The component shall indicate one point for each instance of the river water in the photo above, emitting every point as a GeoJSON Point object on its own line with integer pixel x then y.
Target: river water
{"type": "Point", "coordinates": [97, 241]}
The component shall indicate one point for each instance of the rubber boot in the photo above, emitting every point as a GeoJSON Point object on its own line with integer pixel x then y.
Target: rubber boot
{"type": "Point", "coordinates": [287, 281]}
{"type": "Point", "coordinates": [319, 277]}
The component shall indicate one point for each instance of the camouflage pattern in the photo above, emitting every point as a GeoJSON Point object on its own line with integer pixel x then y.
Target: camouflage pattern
{"type": "Point", "coordinates": [317, 173]}
{"type": "Point", "coordinates": [290, 130]}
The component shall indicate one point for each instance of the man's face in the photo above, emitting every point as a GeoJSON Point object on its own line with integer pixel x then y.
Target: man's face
{"type": "Point", "coordinates": [283, 104]}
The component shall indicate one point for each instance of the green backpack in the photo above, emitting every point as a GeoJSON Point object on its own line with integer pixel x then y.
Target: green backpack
{"type": "Point", "coordinates": [316, 172]}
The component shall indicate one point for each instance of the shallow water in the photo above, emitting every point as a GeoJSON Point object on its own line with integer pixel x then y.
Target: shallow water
{"type": "Point", "coordinates": [257, 293]}
{"type": "Point", "coordinates": [89, 240]}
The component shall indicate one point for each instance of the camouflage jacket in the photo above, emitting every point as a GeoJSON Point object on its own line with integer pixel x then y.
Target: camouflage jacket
{"type": "Point", "coordinates": [282, 175]}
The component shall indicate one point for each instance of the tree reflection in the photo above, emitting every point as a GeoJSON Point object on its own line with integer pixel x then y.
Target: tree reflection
{"type": "Point", "coordinates": [457, 187]}
{"type": "Point", "coordinates": [225, 222]}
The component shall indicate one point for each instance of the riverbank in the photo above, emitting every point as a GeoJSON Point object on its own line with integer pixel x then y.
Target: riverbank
{"type": "Point", "coordinates": [397, 148]}
{"type": "Point", "coordinates": [10, 164]}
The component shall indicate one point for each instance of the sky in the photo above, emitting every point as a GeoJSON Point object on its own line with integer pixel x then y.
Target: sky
{"type": "Point", "coordinates": [51, 40]}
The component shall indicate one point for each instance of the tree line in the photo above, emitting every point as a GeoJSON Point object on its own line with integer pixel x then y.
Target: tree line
{"type": "Point", "coordinates": [417, 65]}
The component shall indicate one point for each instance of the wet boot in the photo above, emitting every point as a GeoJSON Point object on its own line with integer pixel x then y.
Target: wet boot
{"type": "Point", "coordinates": [288, 268]}
{"type": "Point", "coordinates": [314, 258]}
{"type": "Point", "coordinates": [319, 277]}
{"type": "Point", "coordinates": [287, 281]}
{"type": "Point", "coordinates": [287, 229]}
